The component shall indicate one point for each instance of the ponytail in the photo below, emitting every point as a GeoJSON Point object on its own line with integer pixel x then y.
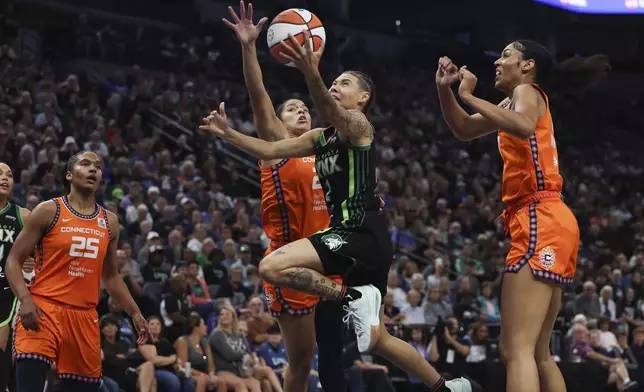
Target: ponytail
{"type": "Point", "coordinates": [573, 75]}
{"type": "Point", "coordinates": [578, 74]}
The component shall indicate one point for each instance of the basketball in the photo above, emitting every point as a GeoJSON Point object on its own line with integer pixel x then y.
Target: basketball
{"type": "Point", "coordinates": [294, 21]}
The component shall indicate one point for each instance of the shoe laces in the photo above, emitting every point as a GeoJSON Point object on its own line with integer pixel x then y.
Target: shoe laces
{"type": "Point", "coordinates": [351, 318]}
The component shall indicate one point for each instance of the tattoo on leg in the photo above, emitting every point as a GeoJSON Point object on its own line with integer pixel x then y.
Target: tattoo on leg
{"type": "Point", "coordinates": [302, 279]}
{"type": "Point", "coordinates": [327, 288]}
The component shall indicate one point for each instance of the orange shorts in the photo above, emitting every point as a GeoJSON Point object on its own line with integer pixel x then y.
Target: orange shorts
{"type": "Point", "coordinates": [293, 302]}
{"type": "Point", "coordinates": [70, 338]}
{"type": "Point", "coordinates": [544, 233]}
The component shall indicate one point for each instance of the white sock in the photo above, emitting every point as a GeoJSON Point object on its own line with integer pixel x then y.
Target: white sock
{"type": "Point", "coordinates": [627, 380]}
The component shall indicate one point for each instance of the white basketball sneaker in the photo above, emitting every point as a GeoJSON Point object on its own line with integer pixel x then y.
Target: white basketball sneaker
{"type": "Point", "coordinates": [459, 385]}
{"type": "Point", "coordinates": [364, 315]}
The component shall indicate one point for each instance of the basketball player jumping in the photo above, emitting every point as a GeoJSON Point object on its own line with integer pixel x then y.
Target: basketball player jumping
{"type": "Point", "coordinates": [12, 218]}
{"type": "Point", "coordinates": [58, 323]}
{"type": "Point", "coordinates": [357, 244]}
{"type": "Point", "coordinates": [544, 232]}
{"type": "Point", "coordinates": [293, 207]}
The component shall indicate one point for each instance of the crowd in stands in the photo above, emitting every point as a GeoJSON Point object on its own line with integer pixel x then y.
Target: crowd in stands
{"type": "Point", "coordinates": [191, 233]}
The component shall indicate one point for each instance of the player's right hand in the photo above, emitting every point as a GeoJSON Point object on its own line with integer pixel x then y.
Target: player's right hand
{"type": "Point", "coordinates": [217, 122]}
{"type": "Point", "coordinates": [30, 315]}
{"type": "Point", "coordinates": [447, 72]}
{"type": "Point", "coordinates": [243, 26]}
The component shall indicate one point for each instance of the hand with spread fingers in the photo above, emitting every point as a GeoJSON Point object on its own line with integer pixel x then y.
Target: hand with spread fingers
{"type": "Point", "coordinates": [303, 56]}
{"type": "Point", "coordinates": [243, 26]}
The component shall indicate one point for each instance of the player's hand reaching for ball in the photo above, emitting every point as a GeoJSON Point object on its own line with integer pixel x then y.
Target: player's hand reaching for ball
{"type": "Point", "coordinates": [142, 328]}
{"type": "Point", "coordinates": [468, 83]}
{"type": "Point", "coordinates": [217, 122]}
{"type": "Point", "coordinates": [243, 26]}
{"type": "Point", "coordinates": [30, 315]}
{"type": "Point", "coordinates": [303, 57]}
{"type": "Point", "coordinates": [447, 72]}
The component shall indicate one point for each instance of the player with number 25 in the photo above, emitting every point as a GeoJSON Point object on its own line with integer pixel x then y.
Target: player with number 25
{"type": "Point", "coordinates": [76, 242]}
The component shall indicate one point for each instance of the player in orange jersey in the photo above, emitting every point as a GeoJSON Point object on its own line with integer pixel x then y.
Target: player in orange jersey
{"type": "Point", "coordinates": [12, 218]}
{"type": "Point", "coordinates": [544, 232]}
{"type": "Point", "coordinates": [293, 207]}
{"type": "Point", "coordinates": [58, 323]}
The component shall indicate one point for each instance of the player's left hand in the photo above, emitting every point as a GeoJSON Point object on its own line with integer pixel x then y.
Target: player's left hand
{"type": "Point", "coordinates": [29, 265]}
{"type": "Point", "coordinates": [217, 122]}
{"type": "Point", "coordinates": [303, 57]}
{"type": "Point", "coordinates": [142, 328]}
{"type": "Point", "coordinates": [468, 82]}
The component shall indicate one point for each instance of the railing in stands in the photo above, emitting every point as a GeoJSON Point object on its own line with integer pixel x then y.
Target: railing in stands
{"type": "Point", "coordinates": [166, 126]}
{"type": "Point", "coordinates": [415, 257]}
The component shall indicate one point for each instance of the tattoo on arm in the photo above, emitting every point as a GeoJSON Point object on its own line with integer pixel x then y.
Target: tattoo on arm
{"type": "Point", "coordinates": [322, 99]}
{"type": "Point", "coordinates": [356, 123]}
{"type": "Point", "coordinates": [353, 122]}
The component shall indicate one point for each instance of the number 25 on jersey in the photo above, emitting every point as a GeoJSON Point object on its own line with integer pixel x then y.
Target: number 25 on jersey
{"type": "Point", "coordinates": [86, 247]}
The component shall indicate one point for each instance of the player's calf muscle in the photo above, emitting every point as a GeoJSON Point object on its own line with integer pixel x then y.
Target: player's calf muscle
{"type": "Point", "coordinates": [302, 279]}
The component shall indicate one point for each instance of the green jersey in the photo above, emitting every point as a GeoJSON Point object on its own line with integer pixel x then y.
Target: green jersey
{"type": "Point", "coordinates": [347, 174]}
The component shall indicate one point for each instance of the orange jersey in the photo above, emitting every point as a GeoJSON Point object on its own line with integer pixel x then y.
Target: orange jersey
{"type": "Point", "coordinates": [293, 205]}
{"type": "Point", "coordinates": [69, 259]}
{"type": "Point", "coordinates": [530, 165]}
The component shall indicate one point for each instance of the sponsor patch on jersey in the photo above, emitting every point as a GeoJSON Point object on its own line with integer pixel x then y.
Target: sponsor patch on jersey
{"type": "Point", "coordinates": [333, 241]}
{"type": "Point", "coordinates": [270, 297]}
{"type": "Point", "coordinates": [547, 258]}
{"type": "Point", "coordinates": [101, 223]}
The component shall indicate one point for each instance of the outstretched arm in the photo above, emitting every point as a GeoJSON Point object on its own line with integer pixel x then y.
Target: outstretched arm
{"type": "Point", "coordinates": [303, 146]}
{"type": "Point", "coordinates": [269, 127]}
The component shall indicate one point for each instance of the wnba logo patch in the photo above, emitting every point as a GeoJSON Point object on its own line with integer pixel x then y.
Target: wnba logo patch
{"type": "Point", "coordinates": [547, 258]}
{"type": "Point", "coordinates": [333, 241]}
{"type": "Point", "coordinates": [101, 223]}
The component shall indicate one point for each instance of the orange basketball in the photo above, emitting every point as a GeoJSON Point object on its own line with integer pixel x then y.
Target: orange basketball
{"type": "Point", "coordinates": [294, 21]}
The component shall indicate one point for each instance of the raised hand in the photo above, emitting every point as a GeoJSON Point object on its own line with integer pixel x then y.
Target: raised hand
{"type": "Point", "coordinates": [468, 82]}
{"type": "Point", "coordinates": [243, 26]}
{"type": "Point", "coordinates": [217, 122]}
{"type": "Point", "coordinates": [303, 57]}
{"type": "Point", "coordinates": [446, 73]}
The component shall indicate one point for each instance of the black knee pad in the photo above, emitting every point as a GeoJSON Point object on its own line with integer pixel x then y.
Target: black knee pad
{"type": "Point", "coordinates": [31, 375]}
